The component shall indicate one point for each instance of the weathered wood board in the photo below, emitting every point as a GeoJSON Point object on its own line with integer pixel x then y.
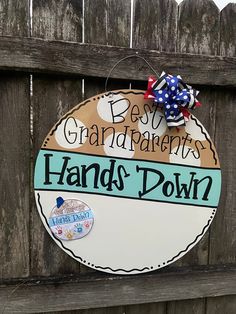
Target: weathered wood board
{"type": "Point", "coordinates": [52, 97]}
{"type": "Point", "coordinates": [194, 40]}
{"type": "Point", "coordinates": [72, 59]}
{"type": "Point", "coordinates": [46, 295]}
{"type": "Point", "coordinates": [15, 152]}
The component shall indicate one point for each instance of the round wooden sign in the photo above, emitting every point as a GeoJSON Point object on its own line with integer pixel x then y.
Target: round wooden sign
{"type": "Point", "coordinates": [121, 192]}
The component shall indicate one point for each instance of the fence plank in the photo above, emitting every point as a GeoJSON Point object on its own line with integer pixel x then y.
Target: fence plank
{"type": "Point", "coordinates": [186, 307]}
{"type": "Point", "coordinates": [198, 27]}
{"type": "Point", "coordinates": [110, 27]}
{"type": "Point", "coordinates": [223, 235]}
{"type": "Point", "coordinates": [85, 292]}
{"type": "Point", "coordinates": [118, 22]}
{"type": "Point", "coordinates": [198, 31]}
{"type": "Point", "coordinates": [228, 30]}
{"type": "Point", "coordinates": [150, 308]}
{"type": "Point", "coordinates": [156, 20]}
{"type": "Point", "coordinates": [118, 32]}
{"type": "Point", "coordinates": [225, 305]}
{"type": "Point", "coordinates": [223, 239]}
{"type": "Point", "coordinates": [94, 32]}
{"type": "Point", "coordinates": [52, 97]}
{"type": "Point", "coordinates": [107, 310]}
{"type": "Point", "coordinates": [71, 59]}
{"type": "Point", "coordinates": [202, 11]}
{"type": "Point", "coordinates": [14, 18]}
{"type": "Point", "coordinates": [14, 151]}
{"type": "Point", "coordinates": [154, 27]}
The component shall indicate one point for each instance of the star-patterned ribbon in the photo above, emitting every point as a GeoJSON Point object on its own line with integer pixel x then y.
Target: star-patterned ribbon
{"type": "Point", "coordinates": [174, 96]}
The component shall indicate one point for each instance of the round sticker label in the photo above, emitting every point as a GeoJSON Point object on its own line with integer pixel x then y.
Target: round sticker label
{"type": "Point", "coordinates": [70, 219]}
{"type": "Point", "coordinates": [121, 192]}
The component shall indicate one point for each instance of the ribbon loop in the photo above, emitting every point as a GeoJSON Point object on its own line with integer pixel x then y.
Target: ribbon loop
{"type": "Point", "coordinates": [174, 96]}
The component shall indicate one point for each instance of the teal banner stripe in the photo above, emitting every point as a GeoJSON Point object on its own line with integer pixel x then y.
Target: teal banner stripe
{"type": "Point", "coordinates": [70, 218]}
{"type": "Point", "coordinates": [129, 178]}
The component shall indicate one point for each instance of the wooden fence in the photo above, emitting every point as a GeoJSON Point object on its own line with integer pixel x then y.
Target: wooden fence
{"type": "Point", "coordinates": [49, 50]}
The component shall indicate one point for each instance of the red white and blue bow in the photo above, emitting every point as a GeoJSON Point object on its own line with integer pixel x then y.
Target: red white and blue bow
{"type": "Point", "coordinates": [174, 96]}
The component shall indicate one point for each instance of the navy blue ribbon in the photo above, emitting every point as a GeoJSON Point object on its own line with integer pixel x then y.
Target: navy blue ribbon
{"type": "Point", "coordinates": [174, 96]}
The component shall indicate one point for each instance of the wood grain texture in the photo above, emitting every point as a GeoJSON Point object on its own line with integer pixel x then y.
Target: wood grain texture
{"type": "Point", "coordinates": [52, 98]}
{"type": "Point", "coordinates": [95, 32]}
{"type": "Point", "coordinates": [149, 308]}
{"type": "Point", "coordinates": [198, 32]}
{"type": "Point", "coordinates": [224, 304]}
{"type": "Point", "coordinates": [228, 30]}
{"type": "Point", "coordinates": [100, 291]}
{"type": "Point", "coordinates": [118, 32]}
{"type": "Point", "coordinates": [71, 59]}
{"type": "Point", "coordinates": [223, 231]}
{"type": "Point", "coordinates": [111, 27]}
{"type": "Point", "coordinates": [154, 27]}
{"type": "Point", "coordinates": [198, 14]}
{"type": "Point", "coordinates": [14, 18]}
{"type": "Point", "coordinates": [186, 307]}
{"type": "Point", "coordinates": [15, 152]}
{"type": "Point", "coordinates": [198, 27]}
{"type": "Point", "coordinates": [107, 310]}
{"type": "Point", "coordinates": [223, 240]}
{"type": "Point", "coordinates": [157, 20]}
{"type": "Point", "coordinates": [223, 248]}
{"type": "Point", "coordinates": [14, 175]}
{"type": "Point", "coordinates": [95, 22]}
{"type": "Point", "coordinates": [198, 255]}
{"type": "Point", "coordinates": [57, 20]}
{"type": "Point", "coordinates": [118, 22]}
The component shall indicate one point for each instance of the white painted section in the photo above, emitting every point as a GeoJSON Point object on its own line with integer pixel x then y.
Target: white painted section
{"type": "Point", "coordinates": [129, 234]}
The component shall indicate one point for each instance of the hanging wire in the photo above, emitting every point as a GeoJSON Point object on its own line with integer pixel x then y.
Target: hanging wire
{"type": "Point", "coordinates": [127, 57]}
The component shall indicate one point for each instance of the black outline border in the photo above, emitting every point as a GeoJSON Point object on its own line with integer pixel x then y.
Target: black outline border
{"type": "Point", "coordinates": [135, 269]}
